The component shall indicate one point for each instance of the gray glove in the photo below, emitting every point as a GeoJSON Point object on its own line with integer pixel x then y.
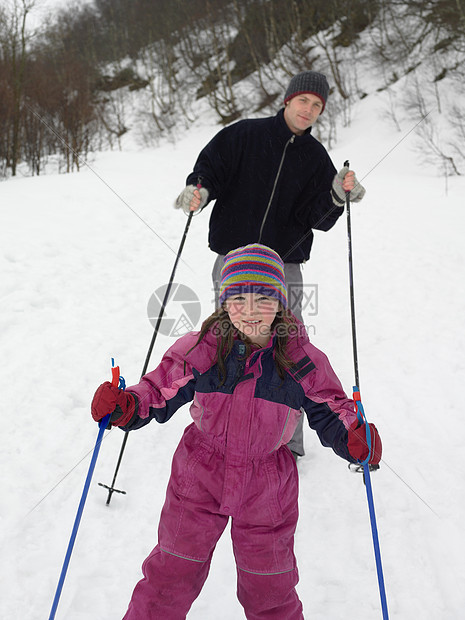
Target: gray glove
{"type": "Point", "coordinates": [187, 198]}
{"type": "Point", "coordinates": [338, 194]}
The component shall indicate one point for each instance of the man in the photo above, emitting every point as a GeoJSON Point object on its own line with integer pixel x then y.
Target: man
{"type": "Point", "coordinates": [273, 182]}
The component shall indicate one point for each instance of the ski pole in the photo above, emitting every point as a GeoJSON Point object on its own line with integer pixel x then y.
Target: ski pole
{"type": "Point", "coordinates": [362, 418]}
{"type": "Point", "coordinates": [111, 488]}
{"type": "Point", "coordinates": [102, 426]}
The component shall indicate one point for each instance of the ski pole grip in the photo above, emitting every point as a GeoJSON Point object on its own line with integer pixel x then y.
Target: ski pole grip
{"type": "Point", "coordinates": [115, 376]}
{"type": "Point", "coordinates": [346, 165]}
{"type": "Point", "coordinates": [104, 422]}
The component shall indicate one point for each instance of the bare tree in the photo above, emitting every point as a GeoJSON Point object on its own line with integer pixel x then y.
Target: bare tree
{"type": "Point", "coordinates": [205, 49]}
{"type": "Point", "coordinates": [14, 42]}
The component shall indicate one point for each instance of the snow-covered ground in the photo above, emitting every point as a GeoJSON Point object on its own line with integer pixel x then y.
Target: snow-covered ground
{"type": "Point", "coordinates": [80, 257]}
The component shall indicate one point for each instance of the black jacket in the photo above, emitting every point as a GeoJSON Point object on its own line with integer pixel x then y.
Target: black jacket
{"type": "Point", "coordinates": [270, 187]}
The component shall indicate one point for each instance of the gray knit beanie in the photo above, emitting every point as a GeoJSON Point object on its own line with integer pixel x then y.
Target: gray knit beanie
{"type": "Point", "coordinates": [308, 82]}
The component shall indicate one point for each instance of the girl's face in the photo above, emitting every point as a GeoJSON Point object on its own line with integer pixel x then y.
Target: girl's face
{"type": "Point", "coordinates": [252, 314]}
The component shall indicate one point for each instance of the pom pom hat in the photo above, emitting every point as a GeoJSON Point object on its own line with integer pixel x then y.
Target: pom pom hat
{"type": "Point", "coordinates": [254, 268]}
{"type": "Point", "coordinates": [308, 82]}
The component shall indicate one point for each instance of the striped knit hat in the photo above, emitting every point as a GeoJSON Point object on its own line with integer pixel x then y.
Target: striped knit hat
{"type": "Point", "coordinates": [308, 82]}
{"type": "Point", "coordinates": [253, 268]}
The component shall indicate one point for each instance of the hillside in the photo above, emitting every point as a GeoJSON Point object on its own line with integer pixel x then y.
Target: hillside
{"type": "Point", "coordinates": [100, 73]}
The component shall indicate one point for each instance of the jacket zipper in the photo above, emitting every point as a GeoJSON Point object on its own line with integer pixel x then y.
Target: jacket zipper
{"type": "Point", "coordinates": [290, 141]}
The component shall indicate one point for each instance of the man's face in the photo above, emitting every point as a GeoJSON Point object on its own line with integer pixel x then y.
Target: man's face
{"type": "Point", "coordinates": [302, 111]}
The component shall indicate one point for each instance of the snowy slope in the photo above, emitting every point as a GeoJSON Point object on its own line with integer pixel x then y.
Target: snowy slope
{"type": "Point", "coordinates": [80, 257]}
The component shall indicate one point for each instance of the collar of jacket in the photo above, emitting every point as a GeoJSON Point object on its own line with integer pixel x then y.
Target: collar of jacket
{"type": "Point", "coordinates": [239, 347]}
{"type": "Point", "coordinates": [302, 363]}
{"type": "Point", "coordinates": [287, 134]}
{"type": "Point", "coordinates": [294, 344]}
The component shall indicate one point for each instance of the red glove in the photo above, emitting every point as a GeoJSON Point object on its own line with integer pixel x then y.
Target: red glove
{"type": "Point", "coordinates": [109, 399]}
{"type": "Point", "coordinates": [357, 443]}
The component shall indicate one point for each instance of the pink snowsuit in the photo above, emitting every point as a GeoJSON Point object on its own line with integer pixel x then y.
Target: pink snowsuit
{"type": "Point", "coordinates": [232, 461]}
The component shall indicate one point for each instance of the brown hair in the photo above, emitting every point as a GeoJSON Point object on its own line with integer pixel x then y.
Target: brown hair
{"type": "Point", "coordinates": [226, 334]}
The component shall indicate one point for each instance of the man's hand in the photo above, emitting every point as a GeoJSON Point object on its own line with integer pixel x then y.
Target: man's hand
{"type": "Point", "coordinates": [192, 198]}
{"type": "Point", "coordinates": [346, 181]}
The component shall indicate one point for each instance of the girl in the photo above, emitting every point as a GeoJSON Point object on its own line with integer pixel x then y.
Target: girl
{"type": "Point", "coordinates": [250, 373]}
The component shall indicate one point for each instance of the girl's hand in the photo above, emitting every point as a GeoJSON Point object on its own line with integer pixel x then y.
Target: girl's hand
{"type": "Point", "coordinates": [358, 445]}
{"type": "Point", "coordinates": [110, 399]}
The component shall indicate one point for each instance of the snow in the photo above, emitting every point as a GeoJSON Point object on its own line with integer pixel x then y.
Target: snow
{"type": "Point", "coordinates": [81, 255]}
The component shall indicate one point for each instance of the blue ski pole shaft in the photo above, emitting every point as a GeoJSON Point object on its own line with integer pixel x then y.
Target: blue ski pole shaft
{"type": "Point", "coordinates": [374, 532]}
{"type": "Point", "coordinates": [115, 380]}
{"type": "Point", "coordinates": [371, 504]}
{"type": "Point", "coordinates": [102, 426]}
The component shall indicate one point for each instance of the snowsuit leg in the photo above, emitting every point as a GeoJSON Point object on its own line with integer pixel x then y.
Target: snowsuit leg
{"type": "Point", "coordinates": [189, 528]}
{"type": "Point", "coordinates": [263, 543]}
{"type": "Point", "coordinates": [170, 586]}
{"type": "Point", "coordinates": [270, 597]}
{"type": "Point", "coordinates": [191, 523]}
